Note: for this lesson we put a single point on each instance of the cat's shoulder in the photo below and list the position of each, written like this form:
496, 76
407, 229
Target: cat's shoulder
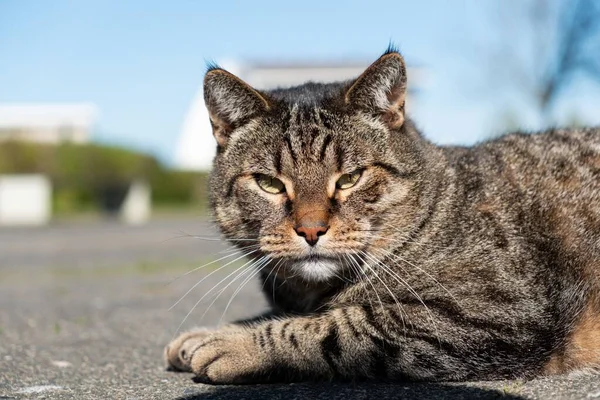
549, 137
524, 144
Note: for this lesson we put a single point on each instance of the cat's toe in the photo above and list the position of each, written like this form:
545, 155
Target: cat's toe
231, 358
178, 353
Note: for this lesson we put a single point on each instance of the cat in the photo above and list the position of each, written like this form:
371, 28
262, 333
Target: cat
385, 256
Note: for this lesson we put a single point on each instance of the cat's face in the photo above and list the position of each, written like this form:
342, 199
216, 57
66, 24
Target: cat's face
311, 176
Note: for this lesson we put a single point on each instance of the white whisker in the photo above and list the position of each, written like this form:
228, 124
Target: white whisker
398, 304
407, 285
248, 270
375, 290
397, 257
239, 288
214, 239
202, 280
208, 292
202, 266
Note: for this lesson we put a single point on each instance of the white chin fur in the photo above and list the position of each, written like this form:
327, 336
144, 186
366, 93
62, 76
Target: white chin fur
318, 270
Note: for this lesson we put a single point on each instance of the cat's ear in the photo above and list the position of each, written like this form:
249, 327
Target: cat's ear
231, 103
381, 90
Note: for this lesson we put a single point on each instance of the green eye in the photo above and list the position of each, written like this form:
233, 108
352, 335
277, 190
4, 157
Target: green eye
346, 181
270, 184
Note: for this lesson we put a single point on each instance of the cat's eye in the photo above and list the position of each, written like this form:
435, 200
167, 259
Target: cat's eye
346, 181
270, 184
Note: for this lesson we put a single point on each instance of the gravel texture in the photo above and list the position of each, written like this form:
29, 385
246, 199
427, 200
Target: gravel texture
84, 314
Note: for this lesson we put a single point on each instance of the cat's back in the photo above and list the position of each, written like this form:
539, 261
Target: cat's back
556, 167
544, 187
554, 178
553, 166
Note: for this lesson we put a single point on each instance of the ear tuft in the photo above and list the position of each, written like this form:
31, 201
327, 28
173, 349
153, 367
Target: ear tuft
392, 48
211, 65
230, 101
381, 89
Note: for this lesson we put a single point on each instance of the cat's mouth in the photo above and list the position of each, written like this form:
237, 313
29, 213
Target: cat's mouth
316, 267
314, 257
319, 257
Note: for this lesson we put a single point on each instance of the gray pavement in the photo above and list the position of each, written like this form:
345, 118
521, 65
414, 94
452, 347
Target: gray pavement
107, 243
84, 314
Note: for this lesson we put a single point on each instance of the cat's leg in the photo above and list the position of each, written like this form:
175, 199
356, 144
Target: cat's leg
347, 343
177, 352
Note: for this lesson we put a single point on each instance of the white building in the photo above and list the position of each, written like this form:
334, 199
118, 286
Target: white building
47, 123
196, 147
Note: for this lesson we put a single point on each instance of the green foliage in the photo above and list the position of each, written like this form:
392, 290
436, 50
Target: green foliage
178, 187
83, 175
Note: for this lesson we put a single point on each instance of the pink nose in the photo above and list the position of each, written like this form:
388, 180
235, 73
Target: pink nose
311, 233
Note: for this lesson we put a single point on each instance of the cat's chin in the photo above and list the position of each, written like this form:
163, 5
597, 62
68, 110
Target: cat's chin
316, 269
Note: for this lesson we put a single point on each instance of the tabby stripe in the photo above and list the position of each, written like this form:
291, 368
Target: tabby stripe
448, 347
317, 328
350, 324
261, 340
284, 328
335, 205
288, 206
277, 161
450, 310
293, 340
288, 142
372, 321
378, 366
325, 120
269, 334
330, 346
231, 184
285, 123
446, 309
391, 343
339, 155
373, 199
326, 143
423, 223
392, 170
317, 116
314, 133
373, 192
386, 348
397, 315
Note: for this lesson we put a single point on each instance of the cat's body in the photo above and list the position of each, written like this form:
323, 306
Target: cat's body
385, 256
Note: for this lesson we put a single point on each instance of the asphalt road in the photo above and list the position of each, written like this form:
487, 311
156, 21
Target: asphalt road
84, 314
107, 243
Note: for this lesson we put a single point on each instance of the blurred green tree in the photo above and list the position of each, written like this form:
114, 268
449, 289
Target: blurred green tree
85, 177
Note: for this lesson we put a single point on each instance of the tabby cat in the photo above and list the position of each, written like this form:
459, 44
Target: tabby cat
385, 256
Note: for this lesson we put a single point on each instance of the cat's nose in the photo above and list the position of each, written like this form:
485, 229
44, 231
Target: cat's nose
312, 233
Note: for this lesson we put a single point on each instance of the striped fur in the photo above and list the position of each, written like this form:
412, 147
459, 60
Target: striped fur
441, 263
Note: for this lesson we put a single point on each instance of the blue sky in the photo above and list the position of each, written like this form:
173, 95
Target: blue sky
141, 62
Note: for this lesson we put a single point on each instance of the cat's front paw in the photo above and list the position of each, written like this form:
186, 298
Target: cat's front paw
178, 353
226, 358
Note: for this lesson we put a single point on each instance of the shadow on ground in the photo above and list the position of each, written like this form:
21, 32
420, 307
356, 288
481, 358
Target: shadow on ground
350, 391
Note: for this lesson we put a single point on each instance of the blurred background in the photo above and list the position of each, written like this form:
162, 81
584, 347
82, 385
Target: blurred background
105, 143
105, 147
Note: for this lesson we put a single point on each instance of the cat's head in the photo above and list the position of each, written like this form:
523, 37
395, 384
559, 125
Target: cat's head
317, 177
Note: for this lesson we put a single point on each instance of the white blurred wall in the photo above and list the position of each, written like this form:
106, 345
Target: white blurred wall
25, 200
137, 206
47, 123
196, 146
